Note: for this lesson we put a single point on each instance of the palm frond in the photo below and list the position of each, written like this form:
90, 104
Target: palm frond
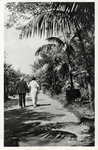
56, 40
58, 56
54, 23
45, 47
53, 134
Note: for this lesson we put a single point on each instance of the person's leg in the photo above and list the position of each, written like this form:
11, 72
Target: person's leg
33, 95
24, 99
20, 99
36, 98
28, 91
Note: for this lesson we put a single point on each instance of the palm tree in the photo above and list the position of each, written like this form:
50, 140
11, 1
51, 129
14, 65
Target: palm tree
61, 49
65, 18
59, 17
47, 67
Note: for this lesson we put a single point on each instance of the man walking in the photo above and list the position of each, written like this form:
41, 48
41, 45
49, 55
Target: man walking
22, 88
34, 91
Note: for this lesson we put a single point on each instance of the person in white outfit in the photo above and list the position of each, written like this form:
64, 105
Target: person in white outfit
34, 91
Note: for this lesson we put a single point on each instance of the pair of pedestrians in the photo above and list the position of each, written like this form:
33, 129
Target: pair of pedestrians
22, 88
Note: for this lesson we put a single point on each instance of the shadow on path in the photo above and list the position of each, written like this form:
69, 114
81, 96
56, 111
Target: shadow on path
29, 126
23, 121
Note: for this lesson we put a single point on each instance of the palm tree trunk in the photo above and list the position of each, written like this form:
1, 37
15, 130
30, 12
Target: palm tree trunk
71, 80
70, 73
86, 63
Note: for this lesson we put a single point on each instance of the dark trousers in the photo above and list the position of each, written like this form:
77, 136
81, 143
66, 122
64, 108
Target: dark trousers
22, 98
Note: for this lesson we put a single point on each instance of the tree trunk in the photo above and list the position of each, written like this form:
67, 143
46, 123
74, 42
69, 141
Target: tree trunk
71, 87
88, 75
90, 93
71, 79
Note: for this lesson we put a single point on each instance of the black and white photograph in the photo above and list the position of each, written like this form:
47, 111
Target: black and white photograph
49, 74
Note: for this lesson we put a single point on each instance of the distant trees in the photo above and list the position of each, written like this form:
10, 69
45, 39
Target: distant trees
11, 77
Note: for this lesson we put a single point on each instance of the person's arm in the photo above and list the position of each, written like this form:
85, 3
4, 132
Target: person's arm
26, 86
37, 86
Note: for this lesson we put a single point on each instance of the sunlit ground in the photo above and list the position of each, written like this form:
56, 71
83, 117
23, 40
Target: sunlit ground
49, 124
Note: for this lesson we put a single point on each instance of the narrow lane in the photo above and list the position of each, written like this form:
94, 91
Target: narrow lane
49, 124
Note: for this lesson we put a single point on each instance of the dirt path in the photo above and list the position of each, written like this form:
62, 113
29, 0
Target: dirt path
49, 124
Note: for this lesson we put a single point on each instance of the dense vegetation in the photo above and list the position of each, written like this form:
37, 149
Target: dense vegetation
11, 78
68, 60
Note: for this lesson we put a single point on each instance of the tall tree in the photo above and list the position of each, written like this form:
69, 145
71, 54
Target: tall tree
64, 52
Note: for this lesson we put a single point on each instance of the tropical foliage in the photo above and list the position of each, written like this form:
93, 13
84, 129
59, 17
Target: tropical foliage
10, 80
70, 28
11, 77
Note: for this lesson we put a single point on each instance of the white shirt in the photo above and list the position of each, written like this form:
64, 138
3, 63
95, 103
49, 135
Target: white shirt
34, 85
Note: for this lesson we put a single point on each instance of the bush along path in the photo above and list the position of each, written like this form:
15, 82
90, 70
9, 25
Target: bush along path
49, 124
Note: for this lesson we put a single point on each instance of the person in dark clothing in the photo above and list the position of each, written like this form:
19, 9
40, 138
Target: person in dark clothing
22, 89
